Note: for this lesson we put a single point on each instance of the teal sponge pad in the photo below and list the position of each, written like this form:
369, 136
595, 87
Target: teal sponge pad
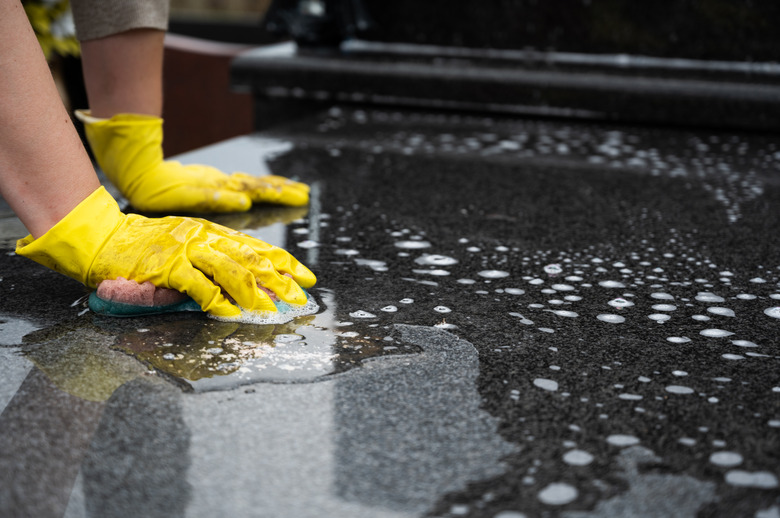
121, 309
110, 308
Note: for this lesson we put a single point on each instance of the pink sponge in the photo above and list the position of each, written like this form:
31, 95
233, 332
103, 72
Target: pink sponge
130, 292
147, 294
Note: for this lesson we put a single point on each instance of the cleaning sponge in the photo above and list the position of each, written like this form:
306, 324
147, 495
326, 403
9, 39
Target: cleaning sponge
124, 298
127, 298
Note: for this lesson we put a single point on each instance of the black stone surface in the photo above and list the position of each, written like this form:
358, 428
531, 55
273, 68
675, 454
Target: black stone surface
676, 217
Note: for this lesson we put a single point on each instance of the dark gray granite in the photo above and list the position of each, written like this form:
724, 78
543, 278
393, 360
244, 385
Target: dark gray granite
524, 400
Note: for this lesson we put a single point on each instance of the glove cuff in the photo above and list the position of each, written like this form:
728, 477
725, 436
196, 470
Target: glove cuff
125, 146
70, 246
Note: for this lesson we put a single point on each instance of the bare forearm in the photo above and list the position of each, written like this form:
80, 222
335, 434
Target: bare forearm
123, 73
44, 169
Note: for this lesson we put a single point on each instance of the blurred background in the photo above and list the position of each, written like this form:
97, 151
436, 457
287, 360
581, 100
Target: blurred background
710, 63
227, 10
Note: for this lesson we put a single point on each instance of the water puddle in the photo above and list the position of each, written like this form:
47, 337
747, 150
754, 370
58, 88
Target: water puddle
13, 329
203, 354
210, 355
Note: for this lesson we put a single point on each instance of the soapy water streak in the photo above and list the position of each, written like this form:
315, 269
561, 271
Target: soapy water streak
720, 163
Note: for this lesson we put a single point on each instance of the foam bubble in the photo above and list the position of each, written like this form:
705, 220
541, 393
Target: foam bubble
715, 333
706, 296
726, 459
285, 313
362, 314
412, 245
389, 309
726, 312
558, 493
436, 260
564, 313
493, 274
442, 309
577, 458
773, 312
436, 271
620, 303
756, 479
523, 320
546, 384
622, 440
679, 389
510, 514
553, 269
374, 264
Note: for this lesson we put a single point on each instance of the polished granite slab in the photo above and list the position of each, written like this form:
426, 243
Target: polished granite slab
518, 317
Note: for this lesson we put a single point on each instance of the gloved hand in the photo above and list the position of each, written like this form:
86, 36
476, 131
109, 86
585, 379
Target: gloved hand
96, 241
128, 148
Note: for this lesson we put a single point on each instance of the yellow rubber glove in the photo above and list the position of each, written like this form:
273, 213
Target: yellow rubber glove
128, 148
96, 241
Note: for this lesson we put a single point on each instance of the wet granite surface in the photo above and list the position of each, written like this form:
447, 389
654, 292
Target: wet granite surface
519, 318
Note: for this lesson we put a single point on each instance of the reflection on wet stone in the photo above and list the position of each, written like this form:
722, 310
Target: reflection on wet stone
431, 436
139, 456
209, 355
75, 358
651, 495
44, 434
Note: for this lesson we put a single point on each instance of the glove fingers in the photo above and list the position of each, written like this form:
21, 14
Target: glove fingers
233, 272
285, 288
267, 268
271, 189
283, 262
209, 297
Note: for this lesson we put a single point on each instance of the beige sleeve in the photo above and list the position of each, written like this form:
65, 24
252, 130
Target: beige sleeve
100, 18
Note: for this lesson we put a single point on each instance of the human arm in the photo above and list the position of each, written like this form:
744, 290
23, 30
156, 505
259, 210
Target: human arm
76, 227
123, 78
44, 170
